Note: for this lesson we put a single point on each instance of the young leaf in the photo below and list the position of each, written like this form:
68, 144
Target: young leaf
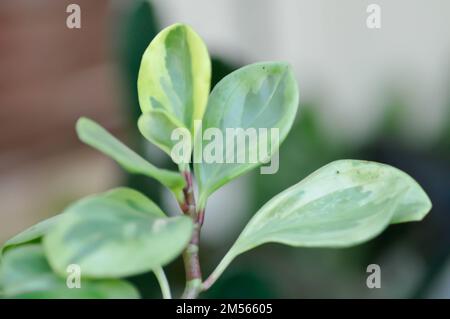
342, 204
110, 236
25, 273
157, 126
175, 75
258, 96
96, 136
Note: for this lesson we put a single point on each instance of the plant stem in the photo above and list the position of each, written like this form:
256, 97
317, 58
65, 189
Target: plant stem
188, 205
163, 283
191, 252
192, 266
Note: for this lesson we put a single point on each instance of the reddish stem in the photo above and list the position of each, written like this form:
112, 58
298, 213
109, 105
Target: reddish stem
191, 252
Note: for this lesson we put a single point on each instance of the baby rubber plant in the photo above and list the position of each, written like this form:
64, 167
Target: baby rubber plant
109, 236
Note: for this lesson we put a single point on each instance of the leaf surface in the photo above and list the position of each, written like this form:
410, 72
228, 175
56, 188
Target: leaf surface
344, 203
257, 98
111, 235
25, 273
96, 136
175, 75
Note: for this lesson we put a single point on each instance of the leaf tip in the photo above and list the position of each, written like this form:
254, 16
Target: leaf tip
81, 125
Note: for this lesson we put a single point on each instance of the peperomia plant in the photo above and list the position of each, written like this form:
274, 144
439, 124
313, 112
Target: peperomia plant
121, 232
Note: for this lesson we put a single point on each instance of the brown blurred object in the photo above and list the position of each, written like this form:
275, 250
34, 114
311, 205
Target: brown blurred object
50, 76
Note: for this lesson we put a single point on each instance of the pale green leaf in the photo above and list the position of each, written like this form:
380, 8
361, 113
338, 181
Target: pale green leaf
344, 203
96, 136
133, 197
258, 96
175, 75
33, 233
157, 126
414, 205
25, 273
109, 238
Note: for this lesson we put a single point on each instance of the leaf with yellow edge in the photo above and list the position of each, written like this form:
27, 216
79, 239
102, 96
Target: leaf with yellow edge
344, 203
175, 75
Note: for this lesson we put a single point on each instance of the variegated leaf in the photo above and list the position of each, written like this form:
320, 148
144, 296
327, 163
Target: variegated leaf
344, 203
175, 75
96, 136
115, 234
258, 96
25, 273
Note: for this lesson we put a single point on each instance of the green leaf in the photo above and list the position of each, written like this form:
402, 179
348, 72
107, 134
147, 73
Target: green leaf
134, 199
25, 273
344, 203
414, 205
158, 126
35, 232
175, 75
96, 136
110, 236
258, 96
120, 194
31, 234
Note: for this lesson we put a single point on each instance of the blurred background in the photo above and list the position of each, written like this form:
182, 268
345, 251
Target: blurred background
375, 94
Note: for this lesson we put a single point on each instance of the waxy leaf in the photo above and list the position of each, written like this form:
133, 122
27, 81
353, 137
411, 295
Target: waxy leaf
175, 75
35, 232
157, 126
96, 136
134, 199
261, 96
25, 273
414, 205
110, 235
31, 234
342, 204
